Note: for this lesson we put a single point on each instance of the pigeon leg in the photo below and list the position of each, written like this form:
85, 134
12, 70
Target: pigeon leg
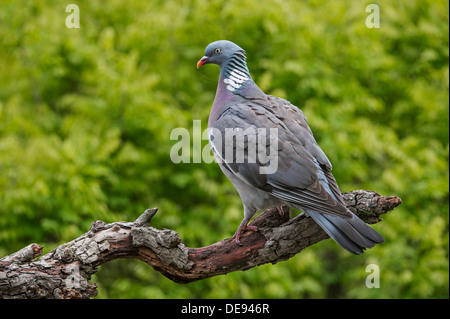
280, 210
243, 227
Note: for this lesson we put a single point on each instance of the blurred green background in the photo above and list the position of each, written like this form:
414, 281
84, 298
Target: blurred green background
86, 115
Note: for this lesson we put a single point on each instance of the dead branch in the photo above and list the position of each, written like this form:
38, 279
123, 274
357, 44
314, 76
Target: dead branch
65, 272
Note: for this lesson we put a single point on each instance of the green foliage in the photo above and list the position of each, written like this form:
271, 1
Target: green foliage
86, 115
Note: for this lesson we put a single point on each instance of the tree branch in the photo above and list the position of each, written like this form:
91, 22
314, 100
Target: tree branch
65, 272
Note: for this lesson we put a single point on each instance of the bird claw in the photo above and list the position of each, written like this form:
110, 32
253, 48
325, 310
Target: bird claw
280, 210
240, 230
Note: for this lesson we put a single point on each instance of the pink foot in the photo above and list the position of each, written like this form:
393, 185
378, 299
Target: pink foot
242, 227
280, 210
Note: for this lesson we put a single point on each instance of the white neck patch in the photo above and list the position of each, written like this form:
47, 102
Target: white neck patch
235, 80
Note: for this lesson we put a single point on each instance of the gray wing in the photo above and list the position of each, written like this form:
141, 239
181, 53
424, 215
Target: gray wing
302, 177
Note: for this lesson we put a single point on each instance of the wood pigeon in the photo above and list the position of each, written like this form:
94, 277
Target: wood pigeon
263, 144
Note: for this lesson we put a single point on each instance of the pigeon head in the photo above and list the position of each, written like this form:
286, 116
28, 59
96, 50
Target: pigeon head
220, 52
230, 57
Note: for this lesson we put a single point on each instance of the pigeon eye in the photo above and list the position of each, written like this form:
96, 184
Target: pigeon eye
217, 50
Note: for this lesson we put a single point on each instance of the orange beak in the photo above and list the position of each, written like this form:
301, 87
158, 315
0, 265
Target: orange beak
202, 61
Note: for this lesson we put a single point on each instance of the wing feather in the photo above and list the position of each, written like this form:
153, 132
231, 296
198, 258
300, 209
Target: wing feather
299, 158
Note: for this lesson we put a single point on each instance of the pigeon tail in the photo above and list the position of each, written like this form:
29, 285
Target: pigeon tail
351, 234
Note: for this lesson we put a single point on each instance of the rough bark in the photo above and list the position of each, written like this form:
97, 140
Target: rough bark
65, 272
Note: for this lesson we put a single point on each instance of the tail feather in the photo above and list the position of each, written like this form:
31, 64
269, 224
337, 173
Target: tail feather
351, 234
